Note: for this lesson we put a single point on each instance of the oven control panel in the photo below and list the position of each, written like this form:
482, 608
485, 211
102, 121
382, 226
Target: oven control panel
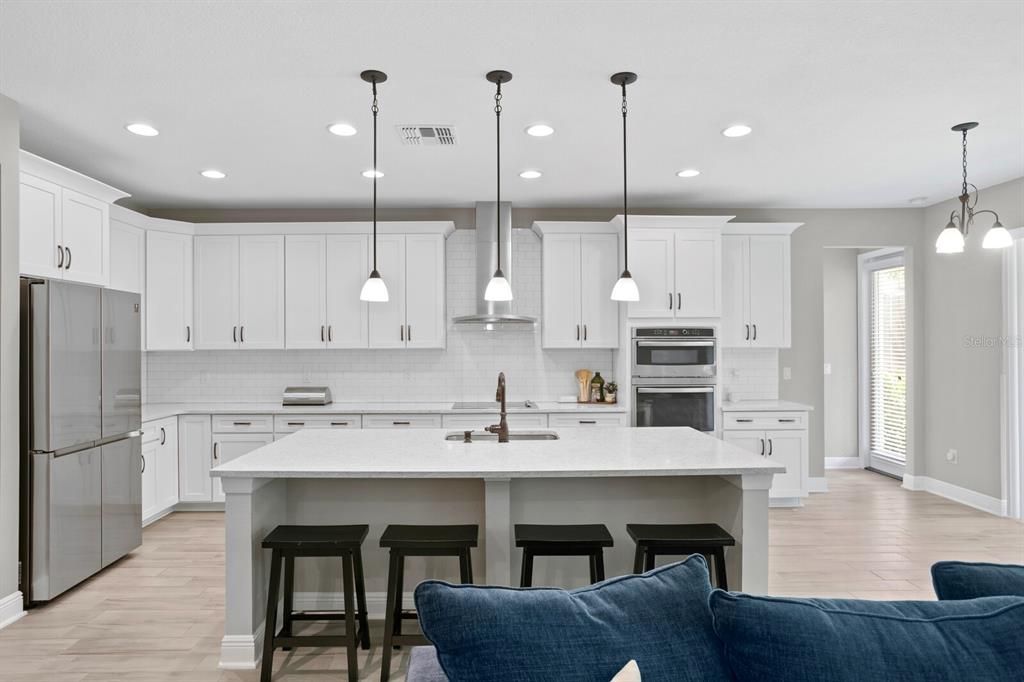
668, 332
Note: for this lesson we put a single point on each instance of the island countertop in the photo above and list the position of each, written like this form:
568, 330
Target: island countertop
424, 453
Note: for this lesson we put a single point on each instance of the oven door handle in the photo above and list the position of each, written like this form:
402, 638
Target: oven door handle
648, 344
687, 389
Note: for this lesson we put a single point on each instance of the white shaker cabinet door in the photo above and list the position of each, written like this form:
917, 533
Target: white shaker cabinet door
425, 321
85, 234
562, 326
735, 328
229, 446
599, 270
348, 265
127, 257
167, 465
751, 441
41, 252
769, 291
261, 291
305, 290
169, 291
150, 502
787, 448
651, 263
387, 320
698, 273
194, 456
216, 294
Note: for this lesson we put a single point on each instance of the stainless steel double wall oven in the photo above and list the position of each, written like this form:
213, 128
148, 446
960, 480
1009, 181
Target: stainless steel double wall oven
674, 377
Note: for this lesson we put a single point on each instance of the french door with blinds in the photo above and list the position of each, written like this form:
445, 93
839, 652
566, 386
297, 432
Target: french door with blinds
884, 354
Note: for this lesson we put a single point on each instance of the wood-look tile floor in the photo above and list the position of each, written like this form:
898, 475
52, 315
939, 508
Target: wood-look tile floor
158, 613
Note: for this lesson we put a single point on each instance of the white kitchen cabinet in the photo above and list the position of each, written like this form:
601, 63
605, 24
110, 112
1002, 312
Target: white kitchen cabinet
323, 277
480, 420
229, 446
412, 266
195, 450
781, 437
239, 292
169, 291
127, 257
578, 273
401, 421
290, 423
63, 233
587, 419
756, 281
678, 272
159, 468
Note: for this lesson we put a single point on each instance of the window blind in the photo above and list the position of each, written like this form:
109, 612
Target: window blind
888, 363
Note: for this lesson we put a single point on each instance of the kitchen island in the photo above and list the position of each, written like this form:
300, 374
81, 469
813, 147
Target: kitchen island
609, 475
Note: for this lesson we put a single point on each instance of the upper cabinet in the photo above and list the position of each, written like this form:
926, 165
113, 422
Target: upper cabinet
239, 292
168, 304
580, 265
64, 223
756, 280
412, 266
677, 264
323, 277
127, 257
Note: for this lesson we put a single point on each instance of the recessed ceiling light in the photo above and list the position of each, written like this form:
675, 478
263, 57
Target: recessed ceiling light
917, 201
530, 174
370, 173
213, 174
539, 130
143, 129
342, 129
738, 130
688, 173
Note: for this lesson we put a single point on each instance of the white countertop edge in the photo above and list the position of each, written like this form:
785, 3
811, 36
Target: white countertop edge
766, 406
583, 473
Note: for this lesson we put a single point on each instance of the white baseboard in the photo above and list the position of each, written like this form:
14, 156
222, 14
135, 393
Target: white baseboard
12, 608
817, 484
785, 502
843, 463
241, 652
199, 507
985, 503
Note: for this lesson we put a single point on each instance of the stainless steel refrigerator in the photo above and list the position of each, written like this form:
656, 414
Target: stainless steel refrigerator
81, 415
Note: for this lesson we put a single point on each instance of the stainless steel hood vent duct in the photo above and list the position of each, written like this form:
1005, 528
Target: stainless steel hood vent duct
493, 315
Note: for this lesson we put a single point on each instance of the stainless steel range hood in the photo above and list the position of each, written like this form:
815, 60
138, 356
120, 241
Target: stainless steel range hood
494, 314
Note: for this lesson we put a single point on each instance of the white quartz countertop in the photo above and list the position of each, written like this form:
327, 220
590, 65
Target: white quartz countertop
151, 411
424, 453
765, 406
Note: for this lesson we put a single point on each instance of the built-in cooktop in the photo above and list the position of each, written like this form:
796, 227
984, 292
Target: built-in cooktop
490, 405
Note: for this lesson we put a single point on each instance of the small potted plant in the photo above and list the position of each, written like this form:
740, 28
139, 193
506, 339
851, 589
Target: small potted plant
610, 389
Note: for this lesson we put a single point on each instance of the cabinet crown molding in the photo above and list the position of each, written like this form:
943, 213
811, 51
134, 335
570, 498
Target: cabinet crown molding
545, 227
760, 228
65, 177
711, 222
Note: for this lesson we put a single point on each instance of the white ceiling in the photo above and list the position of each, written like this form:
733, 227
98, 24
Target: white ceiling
851, 102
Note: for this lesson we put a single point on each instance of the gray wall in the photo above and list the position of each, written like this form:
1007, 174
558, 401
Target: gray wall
9, 142
962, 379
839, 289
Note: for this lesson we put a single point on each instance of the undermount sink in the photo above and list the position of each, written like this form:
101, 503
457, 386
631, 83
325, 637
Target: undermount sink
460, 436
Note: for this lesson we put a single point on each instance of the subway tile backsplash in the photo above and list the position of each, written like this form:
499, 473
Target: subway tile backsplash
466, 370
749, 373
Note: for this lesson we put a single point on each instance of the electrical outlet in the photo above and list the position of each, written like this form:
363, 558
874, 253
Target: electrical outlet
828, 368
952, 456
787, 373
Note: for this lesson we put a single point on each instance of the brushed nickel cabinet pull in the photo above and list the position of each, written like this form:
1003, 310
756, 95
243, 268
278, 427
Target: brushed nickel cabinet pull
143, 464
234, 334
339, 423
745, 421
748, 332
322, 337
755, 332
215, 451
787, 421
188, 334
577, 332
241, 333
296, 423
670, 300
330, 333
679, 301
584, 332
400, 423
408, 332
163, 436
67, 265
242, 423
60, 256
401, 332
588, 421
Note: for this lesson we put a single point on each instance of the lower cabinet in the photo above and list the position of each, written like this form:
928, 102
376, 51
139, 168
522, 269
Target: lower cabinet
195, 448
228, 446
780, 437
401, 421
159, 468
589, 419
477, 421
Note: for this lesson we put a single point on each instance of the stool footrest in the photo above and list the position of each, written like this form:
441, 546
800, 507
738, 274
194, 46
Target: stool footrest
312, 641
318, 615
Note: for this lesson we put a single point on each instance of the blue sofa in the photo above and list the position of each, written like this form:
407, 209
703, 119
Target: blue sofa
677, 627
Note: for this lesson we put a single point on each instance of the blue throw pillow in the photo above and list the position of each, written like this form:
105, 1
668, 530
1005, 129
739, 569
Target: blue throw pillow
962, 580
660, 619
847, 640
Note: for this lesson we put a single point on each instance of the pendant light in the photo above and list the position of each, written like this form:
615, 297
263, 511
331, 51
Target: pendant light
952, 237
374, 290
625, 288
498, 289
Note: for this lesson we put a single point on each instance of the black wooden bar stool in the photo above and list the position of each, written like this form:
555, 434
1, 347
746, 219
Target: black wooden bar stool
654, 539
406, 541
587, 540
289, 542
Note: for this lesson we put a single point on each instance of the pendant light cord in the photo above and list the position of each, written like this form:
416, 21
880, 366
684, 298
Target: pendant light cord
625, 195
375, 109
497, 128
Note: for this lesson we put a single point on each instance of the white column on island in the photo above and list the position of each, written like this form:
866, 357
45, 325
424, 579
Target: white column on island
498, 530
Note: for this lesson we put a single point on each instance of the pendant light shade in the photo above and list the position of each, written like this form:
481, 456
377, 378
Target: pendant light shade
950, 240
625, 288
498, 289
997, 237
374, 289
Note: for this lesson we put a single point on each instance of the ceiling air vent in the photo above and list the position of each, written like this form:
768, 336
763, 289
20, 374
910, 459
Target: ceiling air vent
443, 136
